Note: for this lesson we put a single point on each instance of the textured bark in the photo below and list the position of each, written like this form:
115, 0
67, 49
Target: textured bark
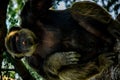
22, 70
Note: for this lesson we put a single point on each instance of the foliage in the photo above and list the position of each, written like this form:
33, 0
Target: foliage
8, 70
112, 6
13, 12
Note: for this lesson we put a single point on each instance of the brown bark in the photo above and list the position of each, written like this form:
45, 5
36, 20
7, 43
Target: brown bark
22, 70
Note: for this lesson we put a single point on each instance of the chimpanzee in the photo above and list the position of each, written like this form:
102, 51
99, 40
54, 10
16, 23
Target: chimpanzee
63, 44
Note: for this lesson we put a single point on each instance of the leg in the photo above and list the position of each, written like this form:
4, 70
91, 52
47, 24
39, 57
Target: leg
57, 60
87, 70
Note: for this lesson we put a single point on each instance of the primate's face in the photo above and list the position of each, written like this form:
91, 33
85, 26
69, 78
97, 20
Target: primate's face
20, 43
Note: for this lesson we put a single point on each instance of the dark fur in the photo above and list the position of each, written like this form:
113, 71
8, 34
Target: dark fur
60, 38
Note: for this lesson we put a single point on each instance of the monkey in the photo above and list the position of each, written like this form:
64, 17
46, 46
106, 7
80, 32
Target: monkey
54, 62
62, 45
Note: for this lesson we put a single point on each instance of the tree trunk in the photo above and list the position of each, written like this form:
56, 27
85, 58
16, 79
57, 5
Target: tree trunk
3, 28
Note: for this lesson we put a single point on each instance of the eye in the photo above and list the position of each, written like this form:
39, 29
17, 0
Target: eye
27, 42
